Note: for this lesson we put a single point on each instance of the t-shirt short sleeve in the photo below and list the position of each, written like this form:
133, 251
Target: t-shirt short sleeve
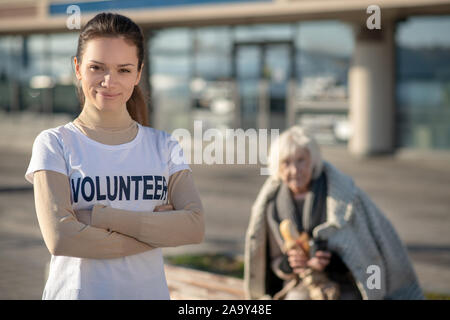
47, 154
177, 160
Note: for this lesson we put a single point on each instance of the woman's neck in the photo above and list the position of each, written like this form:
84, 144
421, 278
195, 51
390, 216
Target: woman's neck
91, 117
300, 196
300, 193
107, 128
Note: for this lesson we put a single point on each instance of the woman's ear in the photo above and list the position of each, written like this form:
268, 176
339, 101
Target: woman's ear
77, 68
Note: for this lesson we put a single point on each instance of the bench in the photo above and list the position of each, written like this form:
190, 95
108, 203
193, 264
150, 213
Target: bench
190, 284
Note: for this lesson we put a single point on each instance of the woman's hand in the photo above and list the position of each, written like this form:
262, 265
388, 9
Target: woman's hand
83, 216
299, 261
320, 261
163, 207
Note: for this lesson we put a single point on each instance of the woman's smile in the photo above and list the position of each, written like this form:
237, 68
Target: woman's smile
108, 95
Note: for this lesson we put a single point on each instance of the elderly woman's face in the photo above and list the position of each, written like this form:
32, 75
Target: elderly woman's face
296, 171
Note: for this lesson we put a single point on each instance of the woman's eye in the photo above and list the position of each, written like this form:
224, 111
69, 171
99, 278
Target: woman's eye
94, 68
124, 70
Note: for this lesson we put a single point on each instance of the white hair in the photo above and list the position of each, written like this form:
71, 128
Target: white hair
288, 144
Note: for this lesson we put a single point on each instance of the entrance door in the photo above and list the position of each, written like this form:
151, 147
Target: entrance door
248, 60
262, 71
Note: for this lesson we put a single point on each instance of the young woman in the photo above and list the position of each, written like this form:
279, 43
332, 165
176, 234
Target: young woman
109, 190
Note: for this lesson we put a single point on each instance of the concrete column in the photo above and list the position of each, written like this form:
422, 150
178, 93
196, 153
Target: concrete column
372, 91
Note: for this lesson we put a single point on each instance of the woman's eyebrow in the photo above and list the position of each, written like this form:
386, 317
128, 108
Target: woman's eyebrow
119, 65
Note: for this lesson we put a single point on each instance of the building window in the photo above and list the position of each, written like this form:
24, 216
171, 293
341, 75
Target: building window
36, 73
171, 69
423, 83
323, 52
220, 74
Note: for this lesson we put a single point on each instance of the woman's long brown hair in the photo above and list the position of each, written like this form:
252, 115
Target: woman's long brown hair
115, 25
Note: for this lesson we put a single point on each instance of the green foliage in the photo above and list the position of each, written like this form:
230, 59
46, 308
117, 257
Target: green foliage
215, 263
436, 296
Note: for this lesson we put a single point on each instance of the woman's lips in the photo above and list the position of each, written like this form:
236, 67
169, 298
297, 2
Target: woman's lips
108, 95
297, 181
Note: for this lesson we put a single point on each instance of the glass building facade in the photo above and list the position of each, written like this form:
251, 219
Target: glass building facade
223, 75
36, 73
423, 83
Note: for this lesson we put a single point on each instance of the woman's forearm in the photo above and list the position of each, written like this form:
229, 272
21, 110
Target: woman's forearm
64, 235
184, 225
158, 229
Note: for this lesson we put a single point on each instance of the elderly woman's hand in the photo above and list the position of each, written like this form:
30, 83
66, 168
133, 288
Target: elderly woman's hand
320, 260
299, 261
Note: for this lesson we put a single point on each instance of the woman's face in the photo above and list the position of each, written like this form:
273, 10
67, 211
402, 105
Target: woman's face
296, 171
108, 72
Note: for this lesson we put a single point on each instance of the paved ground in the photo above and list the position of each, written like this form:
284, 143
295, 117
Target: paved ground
413, 189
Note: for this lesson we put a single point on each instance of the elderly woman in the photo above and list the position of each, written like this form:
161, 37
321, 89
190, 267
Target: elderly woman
357, 247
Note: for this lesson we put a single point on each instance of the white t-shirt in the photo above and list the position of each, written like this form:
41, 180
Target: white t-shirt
131, 176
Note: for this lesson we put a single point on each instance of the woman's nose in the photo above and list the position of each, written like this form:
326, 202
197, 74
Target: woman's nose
293, 169
107, 81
